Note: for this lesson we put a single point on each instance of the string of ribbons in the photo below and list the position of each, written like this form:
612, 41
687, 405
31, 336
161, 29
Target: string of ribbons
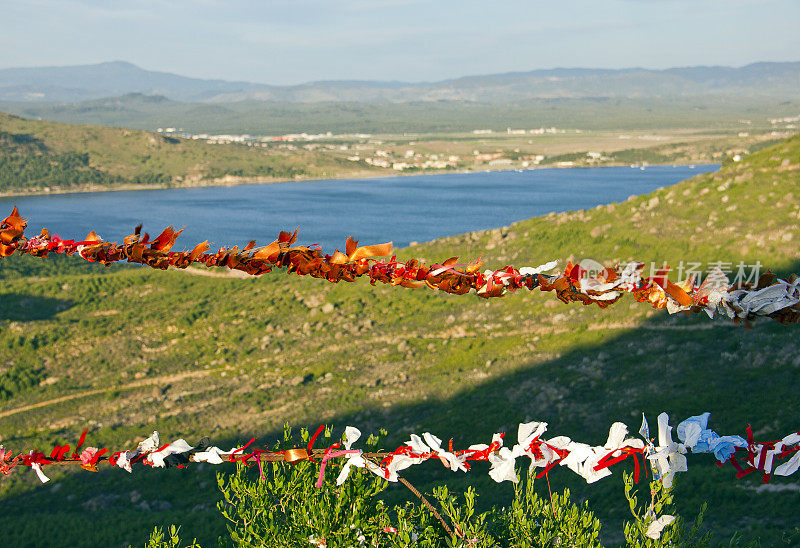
768, 296
662, 454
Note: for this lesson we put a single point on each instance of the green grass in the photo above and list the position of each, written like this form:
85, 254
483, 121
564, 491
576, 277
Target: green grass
410, 361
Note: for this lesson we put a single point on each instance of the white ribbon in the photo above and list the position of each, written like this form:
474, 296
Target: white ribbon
669, 457
177, 447
657, 525
145, 446
38, 469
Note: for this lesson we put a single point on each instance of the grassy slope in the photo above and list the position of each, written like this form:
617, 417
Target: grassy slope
137, 155
406, 360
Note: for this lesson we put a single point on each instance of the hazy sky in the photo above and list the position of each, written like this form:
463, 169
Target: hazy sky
301, 40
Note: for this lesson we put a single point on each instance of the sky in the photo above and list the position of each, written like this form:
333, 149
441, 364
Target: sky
296, 41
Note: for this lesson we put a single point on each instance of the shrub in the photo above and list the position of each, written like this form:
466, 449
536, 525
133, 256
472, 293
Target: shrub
284, 508
18, 379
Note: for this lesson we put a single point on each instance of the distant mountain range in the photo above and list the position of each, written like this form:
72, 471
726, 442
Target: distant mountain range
86, 82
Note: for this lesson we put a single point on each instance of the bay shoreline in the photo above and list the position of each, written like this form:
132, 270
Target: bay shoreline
230, 180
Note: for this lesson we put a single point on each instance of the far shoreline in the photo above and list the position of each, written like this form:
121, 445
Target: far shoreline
231, 181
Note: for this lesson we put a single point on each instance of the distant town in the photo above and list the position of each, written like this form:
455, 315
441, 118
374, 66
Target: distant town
364, 147
486, 149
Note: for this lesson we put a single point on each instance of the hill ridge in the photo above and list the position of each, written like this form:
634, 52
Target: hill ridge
38, 156
84, 82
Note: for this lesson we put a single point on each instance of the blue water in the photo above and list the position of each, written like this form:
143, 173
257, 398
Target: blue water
398, 209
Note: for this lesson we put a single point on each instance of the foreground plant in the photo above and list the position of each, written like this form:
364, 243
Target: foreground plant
284, 507
655, 524
294, 505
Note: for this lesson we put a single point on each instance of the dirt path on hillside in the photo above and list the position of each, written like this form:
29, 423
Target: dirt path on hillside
85, 394
213, 273
379, 339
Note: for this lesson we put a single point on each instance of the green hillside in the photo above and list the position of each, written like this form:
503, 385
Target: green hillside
82, 82
128, 351
278, 117
36, 155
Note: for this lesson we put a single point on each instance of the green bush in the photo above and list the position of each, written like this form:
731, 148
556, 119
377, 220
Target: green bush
18, 379
533, 521
159, 540
661, 506
284, 508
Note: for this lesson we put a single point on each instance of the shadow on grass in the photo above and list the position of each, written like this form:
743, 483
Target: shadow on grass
679, 365
19, 307
56, 266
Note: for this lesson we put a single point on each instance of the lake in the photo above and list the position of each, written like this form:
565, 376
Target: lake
398, 209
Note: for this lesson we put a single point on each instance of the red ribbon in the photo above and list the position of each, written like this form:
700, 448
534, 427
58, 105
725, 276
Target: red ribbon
245, 457
562, 454
59, 452
610, 460
312, 440
76, 454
